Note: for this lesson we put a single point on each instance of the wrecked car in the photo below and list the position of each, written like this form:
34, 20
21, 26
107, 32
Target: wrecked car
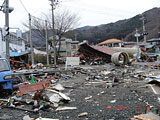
6, 77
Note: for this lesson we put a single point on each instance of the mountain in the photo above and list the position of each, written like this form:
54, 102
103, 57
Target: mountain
122, 29
38, 37
84, 28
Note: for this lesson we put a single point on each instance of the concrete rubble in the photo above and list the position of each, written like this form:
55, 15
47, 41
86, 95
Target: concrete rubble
100, 92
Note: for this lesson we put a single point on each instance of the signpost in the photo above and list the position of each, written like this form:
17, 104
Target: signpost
72, 61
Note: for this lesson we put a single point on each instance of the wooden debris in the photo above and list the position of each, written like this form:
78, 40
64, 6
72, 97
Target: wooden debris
142, 117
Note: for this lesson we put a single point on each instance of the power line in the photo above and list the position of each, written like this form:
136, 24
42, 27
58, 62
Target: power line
3, 3
1, 7
28, 12
24, 6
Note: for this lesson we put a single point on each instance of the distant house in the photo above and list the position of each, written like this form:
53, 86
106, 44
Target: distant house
129, 44
74, 47
154, 44
67, 47
111, 43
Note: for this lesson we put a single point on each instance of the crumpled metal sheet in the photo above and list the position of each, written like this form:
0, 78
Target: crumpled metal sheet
33, 87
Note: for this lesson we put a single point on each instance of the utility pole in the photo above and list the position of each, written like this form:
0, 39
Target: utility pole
53, 5
137, 35
7, 28
30, 36
144, 31
75, 36
47, 43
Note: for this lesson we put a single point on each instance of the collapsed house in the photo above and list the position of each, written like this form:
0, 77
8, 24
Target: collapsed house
95, 53
102, 54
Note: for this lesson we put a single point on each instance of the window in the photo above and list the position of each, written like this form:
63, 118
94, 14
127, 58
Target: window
15, 40
4, 66
116, 44
109, 45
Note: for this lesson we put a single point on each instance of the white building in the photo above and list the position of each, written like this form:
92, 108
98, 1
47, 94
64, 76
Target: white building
15, 44
36, 51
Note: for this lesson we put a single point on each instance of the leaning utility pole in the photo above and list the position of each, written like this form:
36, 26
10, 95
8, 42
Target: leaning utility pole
47, 43
144, 31
7, 28
53, 5
137, 35
75, 36
30, 36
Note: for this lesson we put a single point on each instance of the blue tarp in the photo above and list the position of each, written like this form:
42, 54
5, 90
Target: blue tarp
151, 54
16, 54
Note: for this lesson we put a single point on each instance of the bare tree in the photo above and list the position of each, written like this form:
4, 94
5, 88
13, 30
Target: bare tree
64, 20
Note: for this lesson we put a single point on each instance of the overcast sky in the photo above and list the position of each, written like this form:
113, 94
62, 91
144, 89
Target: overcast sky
92, 12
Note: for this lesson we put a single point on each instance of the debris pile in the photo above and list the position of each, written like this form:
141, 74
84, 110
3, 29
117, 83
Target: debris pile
39, 94
88, 92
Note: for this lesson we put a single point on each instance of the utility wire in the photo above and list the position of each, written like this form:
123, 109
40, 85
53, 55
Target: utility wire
24, 6
28, 12
2, 5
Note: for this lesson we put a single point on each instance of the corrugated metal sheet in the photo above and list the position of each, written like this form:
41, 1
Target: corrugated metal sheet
96, 51
104, 49
33, 87
16, 54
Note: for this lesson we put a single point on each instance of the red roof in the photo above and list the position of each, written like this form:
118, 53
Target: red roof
110, 41
104, 49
